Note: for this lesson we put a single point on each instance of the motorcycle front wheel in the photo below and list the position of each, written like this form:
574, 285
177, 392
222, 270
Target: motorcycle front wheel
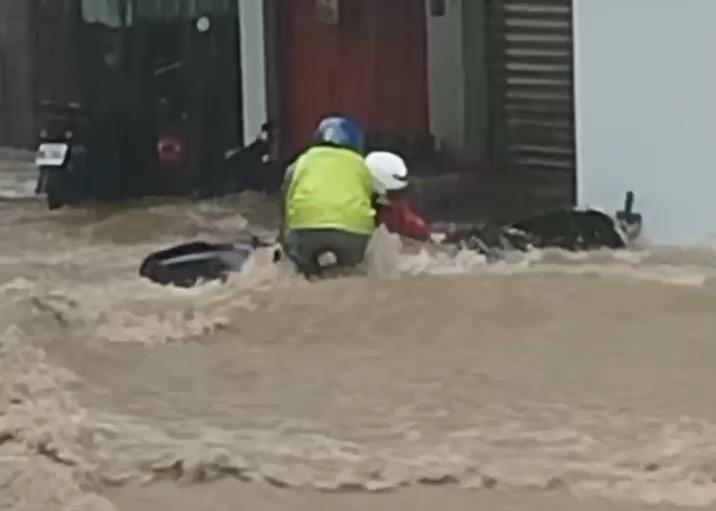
55, 191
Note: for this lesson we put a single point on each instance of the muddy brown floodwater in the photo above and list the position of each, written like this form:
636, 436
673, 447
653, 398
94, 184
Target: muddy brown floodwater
434, 381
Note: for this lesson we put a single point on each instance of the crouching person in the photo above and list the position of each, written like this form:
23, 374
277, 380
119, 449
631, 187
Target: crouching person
326, 202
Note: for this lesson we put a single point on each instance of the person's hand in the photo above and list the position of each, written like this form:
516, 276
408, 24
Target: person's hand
437, 237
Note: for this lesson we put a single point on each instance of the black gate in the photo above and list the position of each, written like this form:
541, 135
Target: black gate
530, 62
173, 65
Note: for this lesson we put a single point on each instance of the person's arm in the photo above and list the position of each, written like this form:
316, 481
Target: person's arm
400, 218
285, 185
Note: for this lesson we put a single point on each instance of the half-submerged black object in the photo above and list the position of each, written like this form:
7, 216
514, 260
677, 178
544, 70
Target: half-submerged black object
568, 229
187, 264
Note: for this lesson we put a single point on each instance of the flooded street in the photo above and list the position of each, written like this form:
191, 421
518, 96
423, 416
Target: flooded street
435, 381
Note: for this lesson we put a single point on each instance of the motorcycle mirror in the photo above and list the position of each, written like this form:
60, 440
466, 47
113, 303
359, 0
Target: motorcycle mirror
630, 221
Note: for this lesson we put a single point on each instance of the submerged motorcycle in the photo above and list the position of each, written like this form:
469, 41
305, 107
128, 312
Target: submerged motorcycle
573, 230
187, 264
569, 229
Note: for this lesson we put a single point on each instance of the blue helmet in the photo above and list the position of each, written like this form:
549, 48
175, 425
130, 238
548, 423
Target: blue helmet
340, 131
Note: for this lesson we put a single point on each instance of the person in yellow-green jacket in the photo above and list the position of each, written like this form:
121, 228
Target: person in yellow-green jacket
326, 199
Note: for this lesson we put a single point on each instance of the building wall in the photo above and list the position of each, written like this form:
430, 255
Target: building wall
646, 112
475, 76
456, 73
17, 123
54, 58
456, 77
253, 58
446, 74
455, 70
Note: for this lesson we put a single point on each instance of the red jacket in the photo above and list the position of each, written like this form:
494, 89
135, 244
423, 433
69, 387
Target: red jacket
400, 218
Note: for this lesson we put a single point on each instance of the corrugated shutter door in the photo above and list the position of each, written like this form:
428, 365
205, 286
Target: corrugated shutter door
531, 92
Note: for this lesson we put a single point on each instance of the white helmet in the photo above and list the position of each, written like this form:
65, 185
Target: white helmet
388, 170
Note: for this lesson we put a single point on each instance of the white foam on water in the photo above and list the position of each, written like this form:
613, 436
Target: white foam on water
17, 174
115, 304
17, 185
386, 257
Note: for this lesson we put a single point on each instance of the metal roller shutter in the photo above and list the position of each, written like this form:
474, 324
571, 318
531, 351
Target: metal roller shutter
531, 84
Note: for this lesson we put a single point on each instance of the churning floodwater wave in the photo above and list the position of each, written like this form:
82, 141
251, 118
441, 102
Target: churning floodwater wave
547, 372
17, 175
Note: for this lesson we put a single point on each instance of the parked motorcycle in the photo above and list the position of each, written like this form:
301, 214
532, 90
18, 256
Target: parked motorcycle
62, 154
172, 145
251, 167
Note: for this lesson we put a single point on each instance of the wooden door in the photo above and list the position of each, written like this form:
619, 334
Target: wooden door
372, 65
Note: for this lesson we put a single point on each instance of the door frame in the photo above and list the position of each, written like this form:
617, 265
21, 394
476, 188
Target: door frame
255, 57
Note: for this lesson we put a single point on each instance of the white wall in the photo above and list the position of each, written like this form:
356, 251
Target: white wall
253, 63
646, 111
446, 76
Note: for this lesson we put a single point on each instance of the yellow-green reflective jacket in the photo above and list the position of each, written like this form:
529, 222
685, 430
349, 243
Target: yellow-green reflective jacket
331, 188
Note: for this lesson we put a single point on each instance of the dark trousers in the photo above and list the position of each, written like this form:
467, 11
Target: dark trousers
305, 246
